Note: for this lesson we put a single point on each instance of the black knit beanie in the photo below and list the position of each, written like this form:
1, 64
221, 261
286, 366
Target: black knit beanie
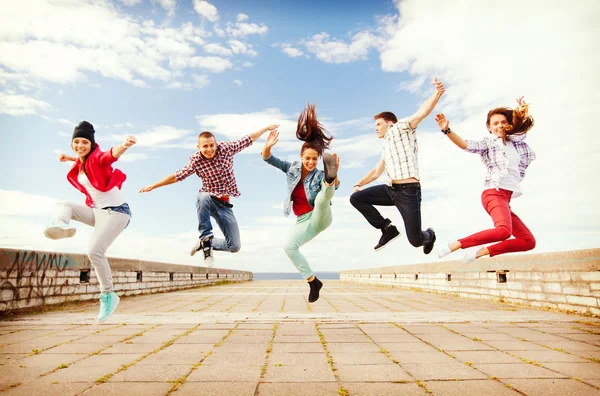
84, 130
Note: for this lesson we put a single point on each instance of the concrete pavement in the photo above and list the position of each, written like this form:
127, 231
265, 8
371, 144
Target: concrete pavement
263, 338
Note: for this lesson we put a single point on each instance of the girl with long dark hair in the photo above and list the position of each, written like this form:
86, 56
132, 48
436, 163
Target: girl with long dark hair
310, 190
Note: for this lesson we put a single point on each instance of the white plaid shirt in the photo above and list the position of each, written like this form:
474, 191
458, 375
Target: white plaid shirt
493, 155
401, 152
216, 173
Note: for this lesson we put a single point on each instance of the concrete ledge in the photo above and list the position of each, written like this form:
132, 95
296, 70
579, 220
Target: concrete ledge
568, 281
36, 278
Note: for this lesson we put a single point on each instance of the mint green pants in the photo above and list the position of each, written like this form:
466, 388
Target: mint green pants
308, 226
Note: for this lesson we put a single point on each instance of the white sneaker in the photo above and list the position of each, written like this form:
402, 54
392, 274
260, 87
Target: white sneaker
444, 251
209, 258
471, 255
197, 247
59, 231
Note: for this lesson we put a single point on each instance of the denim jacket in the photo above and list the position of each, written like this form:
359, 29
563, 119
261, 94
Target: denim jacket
293, 170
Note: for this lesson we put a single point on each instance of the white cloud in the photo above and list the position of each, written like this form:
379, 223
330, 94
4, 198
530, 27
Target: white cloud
139, 83
217, 49
238, 83
201, 81
338, 51
168, 5
158, 136
239, 47
290, 51
179, 85
247, 64
206, 10
241, 28
19, 105
130, 3
212, 64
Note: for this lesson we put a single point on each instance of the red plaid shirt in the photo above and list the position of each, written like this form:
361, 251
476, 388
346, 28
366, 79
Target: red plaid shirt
216, 173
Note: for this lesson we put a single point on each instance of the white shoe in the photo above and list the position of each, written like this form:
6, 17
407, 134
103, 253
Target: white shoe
209, 258
471, 255
444, 251
196, 247
59, 231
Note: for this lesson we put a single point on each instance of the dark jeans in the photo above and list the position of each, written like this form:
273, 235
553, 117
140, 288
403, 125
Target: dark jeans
406, 197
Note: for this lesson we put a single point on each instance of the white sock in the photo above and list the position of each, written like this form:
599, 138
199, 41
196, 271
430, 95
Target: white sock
471, 255
444, 251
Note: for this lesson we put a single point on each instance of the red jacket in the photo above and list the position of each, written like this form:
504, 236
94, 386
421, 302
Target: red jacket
99, 170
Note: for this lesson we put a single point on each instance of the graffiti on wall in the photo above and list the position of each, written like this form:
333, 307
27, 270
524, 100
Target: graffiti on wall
30, 275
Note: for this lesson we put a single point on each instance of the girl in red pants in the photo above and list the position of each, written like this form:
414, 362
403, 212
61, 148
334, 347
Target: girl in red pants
506, 156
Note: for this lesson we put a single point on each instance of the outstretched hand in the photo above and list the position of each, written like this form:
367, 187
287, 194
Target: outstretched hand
337, 161
129, 141
147, 189
272, 139
62, 157
441, 120
439, 86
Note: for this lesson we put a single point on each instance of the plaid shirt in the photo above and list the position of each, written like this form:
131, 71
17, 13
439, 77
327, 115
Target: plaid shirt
491, 150
401, 152
216, 173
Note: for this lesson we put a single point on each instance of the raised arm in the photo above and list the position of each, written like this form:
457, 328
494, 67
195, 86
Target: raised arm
444, 125
257, 134
62, 157
118, 151
164, 182
272, 140
428, 106
372, 175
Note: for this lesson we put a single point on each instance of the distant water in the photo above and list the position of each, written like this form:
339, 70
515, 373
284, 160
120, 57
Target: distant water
293, 275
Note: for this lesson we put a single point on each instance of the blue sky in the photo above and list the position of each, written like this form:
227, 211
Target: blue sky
164, 70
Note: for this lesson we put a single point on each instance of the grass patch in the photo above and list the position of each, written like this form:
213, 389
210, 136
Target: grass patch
342, 392
62, 366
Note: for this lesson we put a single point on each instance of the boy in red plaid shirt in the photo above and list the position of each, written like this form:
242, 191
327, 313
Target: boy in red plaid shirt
213, 163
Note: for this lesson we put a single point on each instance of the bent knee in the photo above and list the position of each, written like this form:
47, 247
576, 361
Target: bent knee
531, 242
235, 248
354, 199
503, 232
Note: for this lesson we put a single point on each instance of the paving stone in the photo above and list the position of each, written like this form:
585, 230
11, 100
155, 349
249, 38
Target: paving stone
299, 373
577, 370
236, 358
301, 359
442, 371
516, 346
223, 373
471, 387
146, 373
376, 372
517, 371
407, 347
131, 348
352, 347
421, 357
52, 389
549, 356
352, 358
486, 356
130, 389
293, 389
552, 387
298, 347
217, 388
383, 389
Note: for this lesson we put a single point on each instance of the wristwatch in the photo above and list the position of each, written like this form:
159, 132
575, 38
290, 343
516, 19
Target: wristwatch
446, 131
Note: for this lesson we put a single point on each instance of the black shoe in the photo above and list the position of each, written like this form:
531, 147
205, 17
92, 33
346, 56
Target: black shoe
428, 246
329, 167
315, 286
389, 234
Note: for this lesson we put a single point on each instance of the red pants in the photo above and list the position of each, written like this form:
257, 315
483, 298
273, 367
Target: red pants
506, 223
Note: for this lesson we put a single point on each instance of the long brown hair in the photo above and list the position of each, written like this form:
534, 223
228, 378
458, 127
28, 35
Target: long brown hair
519, 120
310, 130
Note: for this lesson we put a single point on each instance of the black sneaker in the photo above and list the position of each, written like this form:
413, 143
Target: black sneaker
315, 286
207, 249
389, 234
329, 167
428, 246
197, 247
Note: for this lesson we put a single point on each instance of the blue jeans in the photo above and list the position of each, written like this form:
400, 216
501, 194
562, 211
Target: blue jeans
206, 206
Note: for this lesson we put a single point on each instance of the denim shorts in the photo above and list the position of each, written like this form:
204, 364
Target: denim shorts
121, 209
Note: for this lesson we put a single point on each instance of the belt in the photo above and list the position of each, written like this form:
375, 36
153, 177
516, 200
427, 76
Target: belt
399, 186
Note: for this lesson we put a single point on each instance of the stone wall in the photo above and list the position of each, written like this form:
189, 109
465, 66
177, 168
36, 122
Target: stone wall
35, 278
568, 281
